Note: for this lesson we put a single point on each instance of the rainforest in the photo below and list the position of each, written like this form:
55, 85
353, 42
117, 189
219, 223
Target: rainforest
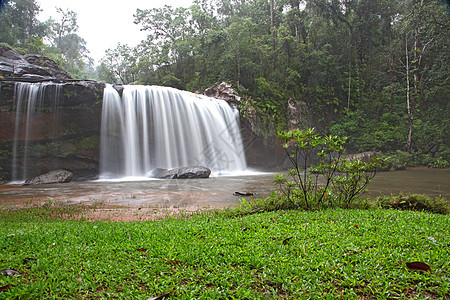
375, 71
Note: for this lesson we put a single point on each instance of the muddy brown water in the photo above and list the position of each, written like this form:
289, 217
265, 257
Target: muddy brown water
215, 192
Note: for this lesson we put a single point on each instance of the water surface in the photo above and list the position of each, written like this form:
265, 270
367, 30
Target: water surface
211, 192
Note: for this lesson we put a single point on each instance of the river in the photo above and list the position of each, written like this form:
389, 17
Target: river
215, 192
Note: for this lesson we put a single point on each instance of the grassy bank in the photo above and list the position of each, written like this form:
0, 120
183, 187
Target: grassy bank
330, 254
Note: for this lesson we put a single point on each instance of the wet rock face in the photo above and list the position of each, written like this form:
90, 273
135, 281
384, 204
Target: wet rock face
65, 131
8, 59
57, 176
186, 173
298, 115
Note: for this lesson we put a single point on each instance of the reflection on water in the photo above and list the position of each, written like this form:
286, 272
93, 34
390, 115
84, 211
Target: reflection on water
430, 182
211, 192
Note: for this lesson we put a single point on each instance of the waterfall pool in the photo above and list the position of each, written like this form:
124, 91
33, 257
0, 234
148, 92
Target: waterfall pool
214, 192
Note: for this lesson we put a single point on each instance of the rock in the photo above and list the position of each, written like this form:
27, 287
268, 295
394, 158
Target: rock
156, 173
6, 69
225, 92
24, 69
363, 156
186, 173
397, 167
10, 56
58, 176
50, 65
33, 66
298, 114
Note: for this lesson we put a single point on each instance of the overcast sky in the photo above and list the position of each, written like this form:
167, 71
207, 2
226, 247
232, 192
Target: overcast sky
103, 24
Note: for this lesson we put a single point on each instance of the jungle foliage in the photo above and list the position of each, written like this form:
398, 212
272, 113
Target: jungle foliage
375, 71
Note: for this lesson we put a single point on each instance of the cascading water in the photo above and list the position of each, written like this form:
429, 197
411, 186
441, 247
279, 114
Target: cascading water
30, 99
153, 127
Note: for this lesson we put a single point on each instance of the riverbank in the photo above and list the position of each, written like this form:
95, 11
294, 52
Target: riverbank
193, 194
333, 254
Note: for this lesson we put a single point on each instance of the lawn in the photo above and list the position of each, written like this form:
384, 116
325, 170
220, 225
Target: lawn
328, 254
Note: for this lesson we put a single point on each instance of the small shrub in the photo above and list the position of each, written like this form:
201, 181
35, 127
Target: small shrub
439, 163
344, 180
351, 181
276, 201
416, 202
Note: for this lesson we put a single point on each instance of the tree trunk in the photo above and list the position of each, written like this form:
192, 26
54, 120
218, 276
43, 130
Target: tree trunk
272, 18
349, 84
408, 98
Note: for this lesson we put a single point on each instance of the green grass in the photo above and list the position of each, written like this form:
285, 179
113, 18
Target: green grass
330, 254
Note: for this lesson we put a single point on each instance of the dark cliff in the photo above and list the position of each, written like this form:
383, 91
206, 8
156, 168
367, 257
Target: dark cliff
67, 139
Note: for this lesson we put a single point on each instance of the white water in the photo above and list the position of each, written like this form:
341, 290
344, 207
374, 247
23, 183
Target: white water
158, 127
29, 99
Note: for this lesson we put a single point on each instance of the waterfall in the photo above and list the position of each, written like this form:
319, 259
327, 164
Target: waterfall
153, 127
29, 100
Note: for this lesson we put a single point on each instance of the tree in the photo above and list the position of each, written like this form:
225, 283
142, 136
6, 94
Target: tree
167, 28
66, 42
119, 65
66, 25
19, 26
422, 29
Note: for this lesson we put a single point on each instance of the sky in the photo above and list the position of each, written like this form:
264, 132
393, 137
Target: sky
102, 24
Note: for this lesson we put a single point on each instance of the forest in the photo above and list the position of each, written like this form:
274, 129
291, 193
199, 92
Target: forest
376, 71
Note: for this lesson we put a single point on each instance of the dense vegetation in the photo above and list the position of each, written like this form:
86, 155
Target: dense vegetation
57, 38
376, 71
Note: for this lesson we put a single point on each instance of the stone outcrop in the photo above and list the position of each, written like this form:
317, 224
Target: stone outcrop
33, 67
57, 176
363, 156
50, 65
225, 92
298, 114
186, 173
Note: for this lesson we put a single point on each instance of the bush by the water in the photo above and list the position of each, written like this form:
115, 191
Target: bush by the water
415, 202
400, 159
330, 181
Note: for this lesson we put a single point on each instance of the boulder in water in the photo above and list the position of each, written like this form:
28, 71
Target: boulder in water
155, 173
186, 173
57, 176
